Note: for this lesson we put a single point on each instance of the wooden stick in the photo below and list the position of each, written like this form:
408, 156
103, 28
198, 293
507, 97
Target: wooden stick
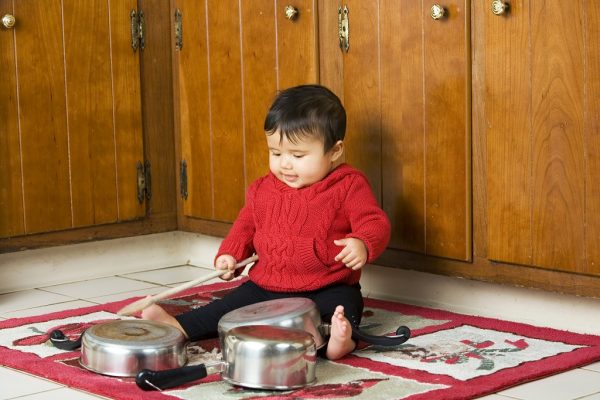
140, 304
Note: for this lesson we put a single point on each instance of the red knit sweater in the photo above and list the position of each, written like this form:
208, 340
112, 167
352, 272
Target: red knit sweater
292, 230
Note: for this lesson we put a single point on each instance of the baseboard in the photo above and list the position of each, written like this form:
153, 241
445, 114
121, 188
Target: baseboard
530, 306
49, 266
71, 263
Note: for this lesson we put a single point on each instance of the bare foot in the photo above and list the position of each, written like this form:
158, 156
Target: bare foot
340, 342
155, 312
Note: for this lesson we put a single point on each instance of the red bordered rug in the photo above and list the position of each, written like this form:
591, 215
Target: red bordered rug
450, 356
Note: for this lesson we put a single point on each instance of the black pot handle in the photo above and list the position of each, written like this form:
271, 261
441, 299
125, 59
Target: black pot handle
60, 341
401, 336
147, 379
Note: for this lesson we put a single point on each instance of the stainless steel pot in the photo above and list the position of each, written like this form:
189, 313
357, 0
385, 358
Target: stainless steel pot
254, 356
299, 313
296, 312
123, 348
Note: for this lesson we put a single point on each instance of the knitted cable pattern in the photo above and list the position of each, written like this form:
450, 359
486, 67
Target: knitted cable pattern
292, 230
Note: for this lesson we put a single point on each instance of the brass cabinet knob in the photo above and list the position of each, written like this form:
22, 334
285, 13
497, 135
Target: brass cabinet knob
8, 21
437, 12
499, 7
291, 12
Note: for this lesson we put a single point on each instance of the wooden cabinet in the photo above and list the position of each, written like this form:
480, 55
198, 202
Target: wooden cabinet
233, 59
71, 131
479, 132
405, 83
541, 106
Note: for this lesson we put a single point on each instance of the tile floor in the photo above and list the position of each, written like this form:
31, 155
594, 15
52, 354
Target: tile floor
580, 384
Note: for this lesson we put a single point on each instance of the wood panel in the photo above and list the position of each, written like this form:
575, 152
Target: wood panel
194, 109
251, 51
288, 48
226, 108
157, 103
11, 193
401, 68
541, 145
78, 124
592, 135
158, 118
297, 51
42, 113
362, 91
402, 122
508, 134
447, 133
558, 164
259, 54
127, 109
331, 62
89, 112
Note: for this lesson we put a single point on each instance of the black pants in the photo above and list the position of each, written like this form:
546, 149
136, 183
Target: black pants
202, 322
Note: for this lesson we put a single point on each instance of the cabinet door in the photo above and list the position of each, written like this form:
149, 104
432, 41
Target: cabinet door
405, 83
234, 58
73, 135
542, 107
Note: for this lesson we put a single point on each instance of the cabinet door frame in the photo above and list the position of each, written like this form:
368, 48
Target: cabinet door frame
159, 213
417, 129
229, 70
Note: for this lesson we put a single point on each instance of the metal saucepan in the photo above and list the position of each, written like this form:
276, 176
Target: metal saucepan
254, 356
299, 313
124, 347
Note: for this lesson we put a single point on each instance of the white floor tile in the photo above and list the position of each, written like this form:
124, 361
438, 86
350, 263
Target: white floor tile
62, 394
98, 287
592, 397
126, 295
208, 282
167, 276
566, 386
69, 305
29, 298
214, 280
593, 367
15, 384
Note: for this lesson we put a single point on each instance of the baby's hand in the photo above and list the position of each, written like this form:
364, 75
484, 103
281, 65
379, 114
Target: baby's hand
354, 253
226, 261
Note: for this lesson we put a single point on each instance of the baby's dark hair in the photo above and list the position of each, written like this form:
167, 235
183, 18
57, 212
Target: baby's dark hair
307, 110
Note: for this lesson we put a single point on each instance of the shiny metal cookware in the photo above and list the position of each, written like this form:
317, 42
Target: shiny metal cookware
299, 313
296, 312
254, 356
123, 348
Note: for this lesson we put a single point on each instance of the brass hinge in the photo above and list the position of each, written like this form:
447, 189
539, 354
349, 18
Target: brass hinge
137, 30
344, 28
183, 183
144, 181
178, 30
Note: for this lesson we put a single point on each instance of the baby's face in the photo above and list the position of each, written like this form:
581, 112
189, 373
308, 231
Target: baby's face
299, 164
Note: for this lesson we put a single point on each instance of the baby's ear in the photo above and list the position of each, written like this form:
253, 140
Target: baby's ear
337, 150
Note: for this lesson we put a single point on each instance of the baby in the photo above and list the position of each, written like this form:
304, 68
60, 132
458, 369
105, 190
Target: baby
312, 220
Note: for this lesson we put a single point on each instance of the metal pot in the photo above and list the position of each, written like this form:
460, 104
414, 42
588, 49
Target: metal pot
296, 312
299, 313
123, 348
254, 356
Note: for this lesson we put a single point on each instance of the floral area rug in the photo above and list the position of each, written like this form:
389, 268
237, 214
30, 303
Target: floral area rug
449, 356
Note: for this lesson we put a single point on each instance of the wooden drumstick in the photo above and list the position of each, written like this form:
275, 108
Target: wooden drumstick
140, 304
